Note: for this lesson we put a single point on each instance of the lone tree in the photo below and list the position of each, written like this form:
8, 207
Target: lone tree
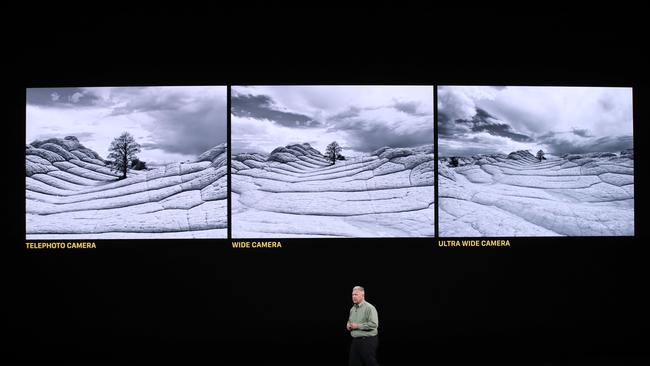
333, 151
122, 153
453, 162
540, 155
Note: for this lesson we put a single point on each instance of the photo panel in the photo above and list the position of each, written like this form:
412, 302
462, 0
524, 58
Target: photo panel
535, 161
126, 162
332, 161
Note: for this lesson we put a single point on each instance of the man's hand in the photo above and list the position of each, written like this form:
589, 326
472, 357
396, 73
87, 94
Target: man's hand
348, 326
354, 325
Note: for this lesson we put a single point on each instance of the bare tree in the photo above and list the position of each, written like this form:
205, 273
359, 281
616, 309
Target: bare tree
453, 162
540, 155
122, 153
333, 151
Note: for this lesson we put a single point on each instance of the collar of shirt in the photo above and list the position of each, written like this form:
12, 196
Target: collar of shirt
360, 304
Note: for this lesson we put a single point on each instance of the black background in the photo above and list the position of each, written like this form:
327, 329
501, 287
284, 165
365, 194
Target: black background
555, 300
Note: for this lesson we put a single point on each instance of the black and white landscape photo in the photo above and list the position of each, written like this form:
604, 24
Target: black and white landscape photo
126, 163
535, 161
332, 161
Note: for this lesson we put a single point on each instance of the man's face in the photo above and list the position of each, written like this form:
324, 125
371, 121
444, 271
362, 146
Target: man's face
357, 296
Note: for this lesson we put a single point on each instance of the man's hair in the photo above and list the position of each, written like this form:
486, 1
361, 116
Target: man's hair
358, 288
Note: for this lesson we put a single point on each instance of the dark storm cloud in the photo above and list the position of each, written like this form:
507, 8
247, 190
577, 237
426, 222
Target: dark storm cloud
558, 119
261, 107
612, 143
503, 130
360, 118
60, 97
482, 121
449, 128
547, 136
409, 108
559, 145
348, 113
367, 137
554, 135
192, 131
582, 132
519, 119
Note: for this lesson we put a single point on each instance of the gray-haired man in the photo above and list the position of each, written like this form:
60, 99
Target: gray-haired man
362, 324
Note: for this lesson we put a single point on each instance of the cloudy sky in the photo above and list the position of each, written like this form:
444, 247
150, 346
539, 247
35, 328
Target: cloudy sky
171, 123
558, 120
360, 118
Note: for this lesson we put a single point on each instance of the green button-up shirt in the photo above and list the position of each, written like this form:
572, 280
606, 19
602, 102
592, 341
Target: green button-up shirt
366, 316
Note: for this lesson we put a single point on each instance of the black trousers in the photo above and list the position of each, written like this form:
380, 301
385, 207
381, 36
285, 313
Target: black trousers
363, 351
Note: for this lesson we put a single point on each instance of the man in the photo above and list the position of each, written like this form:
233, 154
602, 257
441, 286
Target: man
362, 325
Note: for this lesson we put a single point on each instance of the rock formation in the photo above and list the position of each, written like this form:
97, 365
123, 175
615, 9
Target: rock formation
72, 193
517, 195
296, 192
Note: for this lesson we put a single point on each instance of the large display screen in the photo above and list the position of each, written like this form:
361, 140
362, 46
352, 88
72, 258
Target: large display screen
126, 163
332, 161
262, 184
535, 161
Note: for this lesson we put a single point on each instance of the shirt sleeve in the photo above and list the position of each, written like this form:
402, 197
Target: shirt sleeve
372, 320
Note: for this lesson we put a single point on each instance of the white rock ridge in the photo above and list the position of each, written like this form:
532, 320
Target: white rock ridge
517, 195
72, 193
296, 192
